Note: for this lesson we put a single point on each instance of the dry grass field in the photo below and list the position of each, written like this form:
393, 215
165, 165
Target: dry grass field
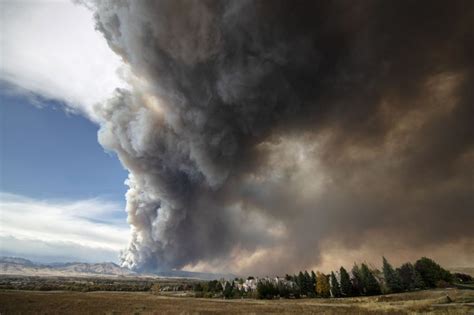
63, 302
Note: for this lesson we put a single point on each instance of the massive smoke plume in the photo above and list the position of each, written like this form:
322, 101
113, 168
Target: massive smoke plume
260, 133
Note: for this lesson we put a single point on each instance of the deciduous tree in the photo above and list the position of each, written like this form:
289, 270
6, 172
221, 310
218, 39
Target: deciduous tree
322, 286
431, 273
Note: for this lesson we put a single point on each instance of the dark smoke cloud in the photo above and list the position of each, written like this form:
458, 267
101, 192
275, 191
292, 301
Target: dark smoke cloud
256, 132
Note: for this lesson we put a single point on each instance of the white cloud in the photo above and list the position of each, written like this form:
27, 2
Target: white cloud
52, 49
48, 252
84, 227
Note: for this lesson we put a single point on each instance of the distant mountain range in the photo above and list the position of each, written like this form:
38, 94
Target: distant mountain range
25, 267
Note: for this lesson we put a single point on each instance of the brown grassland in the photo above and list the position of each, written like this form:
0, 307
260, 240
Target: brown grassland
67, 302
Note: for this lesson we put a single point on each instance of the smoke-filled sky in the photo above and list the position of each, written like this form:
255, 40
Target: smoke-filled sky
272, 136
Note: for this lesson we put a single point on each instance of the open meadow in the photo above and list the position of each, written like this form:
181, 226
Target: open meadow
64, 302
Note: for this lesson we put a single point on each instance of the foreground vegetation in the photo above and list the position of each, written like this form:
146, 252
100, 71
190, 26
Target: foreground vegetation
437, 301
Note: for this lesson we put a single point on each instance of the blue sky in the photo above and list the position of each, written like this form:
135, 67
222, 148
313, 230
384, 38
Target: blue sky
61, 196
48, 153
56, 178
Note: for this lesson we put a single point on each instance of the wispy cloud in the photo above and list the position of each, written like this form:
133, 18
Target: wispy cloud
81, 226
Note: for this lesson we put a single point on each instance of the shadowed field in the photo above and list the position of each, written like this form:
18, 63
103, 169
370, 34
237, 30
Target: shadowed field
62, 302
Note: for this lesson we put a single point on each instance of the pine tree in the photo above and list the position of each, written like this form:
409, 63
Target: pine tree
357, 283
308, 284
322, 287
302, 283
370, 284
410, 278
346, 285
313, 281
306, 278
392, 279
335, 288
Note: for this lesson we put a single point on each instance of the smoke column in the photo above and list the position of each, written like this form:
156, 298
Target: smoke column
258, 132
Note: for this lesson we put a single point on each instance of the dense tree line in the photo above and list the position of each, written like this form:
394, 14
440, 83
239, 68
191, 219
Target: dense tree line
361, 281
83, 284
268, 290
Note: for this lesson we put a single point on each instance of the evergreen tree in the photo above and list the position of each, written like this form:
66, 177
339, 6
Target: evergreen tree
431, 272
322, 286
392, 279
417, 280
313, 281
335, 288
213, 286
227, 290
410, 279
236, 293
297, 280
302, 283
283, 290
308, 285
346, 285
357, 283
369, 283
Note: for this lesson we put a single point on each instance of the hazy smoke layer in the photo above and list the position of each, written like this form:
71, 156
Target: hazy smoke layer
258, 131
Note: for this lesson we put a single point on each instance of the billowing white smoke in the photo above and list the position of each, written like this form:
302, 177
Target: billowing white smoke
258, 130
